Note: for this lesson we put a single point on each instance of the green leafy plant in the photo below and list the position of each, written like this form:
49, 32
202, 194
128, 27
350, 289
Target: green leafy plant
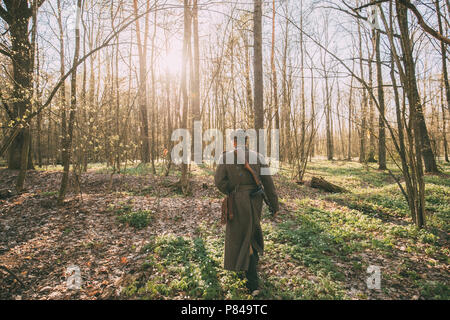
137, 219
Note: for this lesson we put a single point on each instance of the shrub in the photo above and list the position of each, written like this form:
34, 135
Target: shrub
137, 219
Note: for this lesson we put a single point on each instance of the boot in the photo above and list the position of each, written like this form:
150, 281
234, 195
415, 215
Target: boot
251, 274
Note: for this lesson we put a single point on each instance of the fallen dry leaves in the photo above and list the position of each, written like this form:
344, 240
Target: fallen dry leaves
39, 240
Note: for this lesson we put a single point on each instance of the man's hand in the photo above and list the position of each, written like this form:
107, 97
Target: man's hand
273, 214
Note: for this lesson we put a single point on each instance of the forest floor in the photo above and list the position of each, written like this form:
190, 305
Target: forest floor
135, 236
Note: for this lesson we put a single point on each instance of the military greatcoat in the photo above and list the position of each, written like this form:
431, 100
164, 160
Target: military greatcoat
244, 230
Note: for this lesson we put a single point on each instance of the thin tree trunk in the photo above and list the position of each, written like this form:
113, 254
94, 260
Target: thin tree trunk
444, 127
37, 94
285, 115
73, 106
338, 113
421, 144
445, 81
362, 134
184, 181
248, 85
313, 112
328, 116
258, 68
196, 116
142, 48
274, 75
412, 90
350, 107
153, 113
371, 155
381, 129
303, 100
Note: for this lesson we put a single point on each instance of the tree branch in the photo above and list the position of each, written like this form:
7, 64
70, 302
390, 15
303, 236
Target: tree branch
6, 107
12, 274
370, 4
422, 22
40, 3
357, 15
5, 15
411, 7
6, 53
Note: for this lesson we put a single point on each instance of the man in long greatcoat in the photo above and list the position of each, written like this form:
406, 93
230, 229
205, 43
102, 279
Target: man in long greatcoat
244, 239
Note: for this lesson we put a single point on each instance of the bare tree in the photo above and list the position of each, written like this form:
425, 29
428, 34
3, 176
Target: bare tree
184, 181
381, 126
258, 66
142, 49
67, 141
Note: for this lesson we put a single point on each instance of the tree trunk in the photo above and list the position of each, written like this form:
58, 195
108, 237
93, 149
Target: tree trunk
362, 130
420, 133
142, 48
313, 113
350, 107
285, 113
248, 85
17, 17
274, 74
184, 181
371, 155
36, 92
412, 90
195, 71
446, 83
154, 113
67, 147
321, 183
328, 117
381, 129
303, 99
258, 68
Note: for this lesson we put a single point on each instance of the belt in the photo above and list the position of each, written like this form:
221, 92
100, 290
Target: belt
245, 187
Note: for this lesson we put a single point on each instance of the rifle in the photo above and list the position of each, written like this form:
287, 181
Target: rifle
259, 188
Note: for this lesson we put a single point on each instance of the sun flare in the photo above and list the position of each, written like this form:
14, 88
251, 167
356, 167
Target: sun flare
171, 62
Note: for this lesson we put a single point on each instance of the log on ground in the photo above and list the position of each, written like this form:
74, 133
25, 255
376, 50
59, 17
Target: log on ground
321, 183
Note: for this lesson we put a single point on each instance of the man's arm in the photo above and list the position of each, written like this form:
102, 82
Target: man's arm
269, 188
221, 179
